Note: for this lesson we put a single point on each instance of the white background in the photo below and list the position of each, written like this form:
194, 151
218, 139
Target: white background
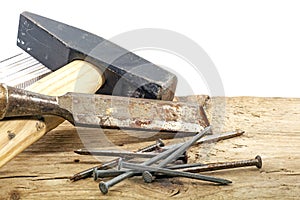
255, 44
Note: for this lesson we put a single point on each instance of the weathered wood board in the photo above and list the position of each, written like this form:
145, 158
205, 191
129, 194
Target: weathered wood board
272, 128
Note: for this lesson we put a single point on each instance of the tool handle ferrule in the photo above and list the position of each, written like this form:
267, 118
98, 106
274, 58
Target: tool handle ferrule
16, 102
3, 100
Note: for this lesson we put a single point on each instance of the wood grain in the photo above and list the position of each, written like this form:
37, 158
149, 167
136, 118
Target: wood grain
16, 135
272, 131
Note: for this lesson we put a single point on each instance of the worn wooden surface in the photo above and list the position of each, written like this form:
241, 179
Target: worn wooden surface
272, 128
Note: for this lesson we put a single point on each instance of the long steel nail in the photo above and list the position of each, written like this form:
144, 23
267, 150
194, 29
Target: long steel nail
257, 161
110, 164
123, 154
220, 136
113, 153
192, 167
188, 165
148, 177
107, 173
215, 137
89, 172
104, 186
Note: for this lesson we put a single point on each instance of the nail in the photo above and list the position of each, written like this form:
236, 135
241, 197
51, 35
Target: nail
220, 136
147, 176
110, 164
104, 186
89, 172
108, 173
186, 165
215, 137
159, 143
257, 161
113, 153
142, 153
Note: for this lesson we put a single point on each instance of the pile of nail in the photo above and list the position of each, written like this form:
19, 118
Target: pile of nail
162, 164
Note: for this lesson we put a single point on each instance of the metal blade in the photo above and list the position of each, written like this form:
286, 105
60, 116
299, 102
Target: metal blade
133, 113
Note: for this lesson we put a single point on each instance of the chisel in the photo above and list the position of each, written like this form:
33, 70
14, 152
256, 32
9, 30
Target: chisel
104, 110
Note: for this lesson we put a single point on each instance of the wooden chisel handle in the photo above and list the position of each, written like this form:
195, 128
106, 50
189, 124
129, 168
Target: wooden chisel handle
17, 134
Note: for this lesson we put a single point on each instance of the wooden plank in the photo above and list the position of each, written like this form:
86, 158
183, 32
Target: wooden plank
272, 131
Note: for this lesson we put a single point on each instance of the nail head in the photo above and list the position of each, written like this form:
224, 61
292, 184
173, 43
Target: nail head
103, 187
147, 176
259, 163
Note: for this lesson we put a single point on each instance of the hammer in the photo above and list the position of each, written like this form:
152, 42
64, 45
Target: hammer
55, 45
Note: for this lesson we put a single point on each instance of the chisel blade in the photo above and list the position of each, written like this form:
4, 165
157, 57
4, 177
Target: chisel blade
105, 110
133, 113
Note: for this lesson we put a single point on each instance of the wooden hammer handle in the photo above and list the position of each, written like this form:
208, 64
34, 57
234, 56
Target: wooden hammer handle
16, 135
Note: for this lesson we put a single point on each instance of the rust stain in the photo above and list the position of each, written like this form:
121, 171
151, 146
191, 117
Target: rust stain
141, 123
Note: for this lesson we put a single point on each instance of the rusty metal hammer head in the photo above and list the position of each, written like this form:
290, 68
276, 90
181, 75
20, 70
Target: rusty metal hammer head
55, 44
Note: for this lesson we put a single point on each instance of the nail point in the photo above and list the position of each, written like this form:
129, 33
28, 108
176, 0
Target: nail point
241, 132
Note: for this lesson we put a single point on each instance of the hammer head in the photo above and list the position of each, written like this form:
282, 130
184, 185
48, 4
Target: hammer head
55, 44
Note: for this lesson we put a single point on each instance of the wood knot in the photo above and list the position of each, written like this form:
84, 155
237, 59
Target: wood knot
39, 126
10, 135
14, 195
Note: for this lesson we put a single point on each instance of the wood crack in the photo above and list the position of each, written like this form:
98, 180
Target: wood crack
23, 176
176, 193
52, 178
